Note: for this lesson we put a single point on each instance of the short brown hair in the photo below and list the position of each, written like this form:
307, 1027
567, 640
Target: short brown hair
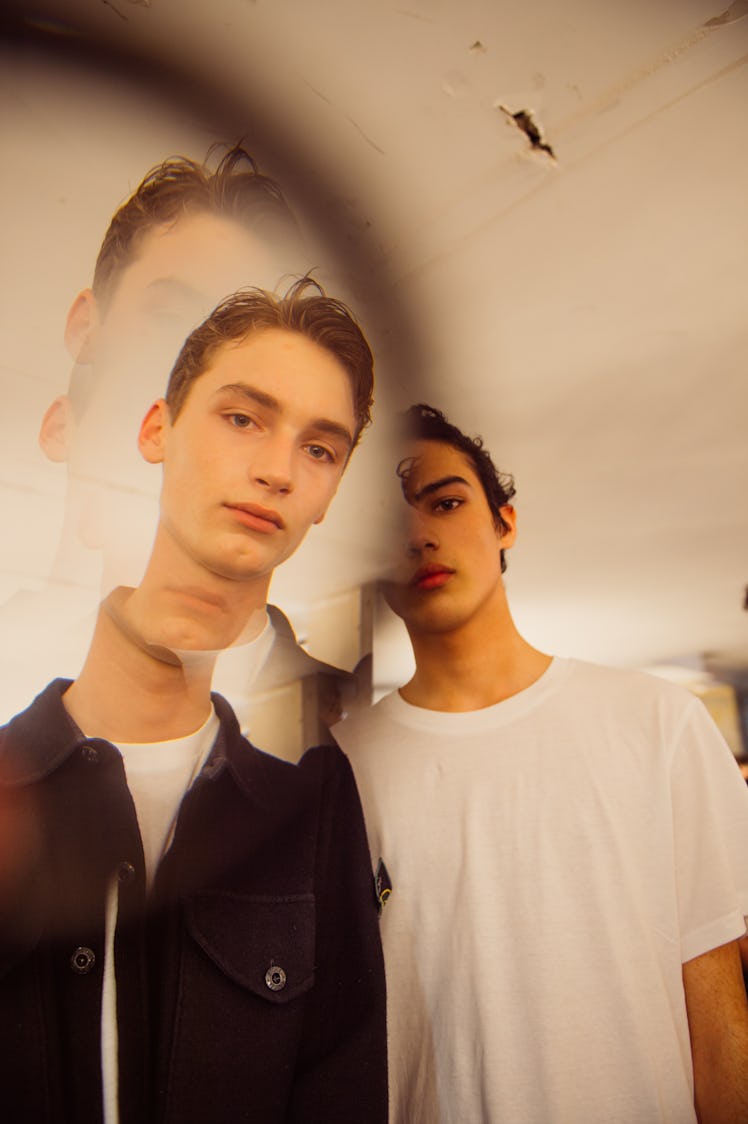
306, 309
178, 187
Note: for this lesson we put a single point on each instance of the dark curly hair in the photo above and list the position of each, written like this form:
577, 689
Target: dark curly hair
426, 423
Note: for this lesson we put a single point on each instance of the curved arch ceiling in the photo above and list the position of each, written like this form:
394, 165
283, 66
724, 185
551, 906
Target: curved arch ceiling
585, 313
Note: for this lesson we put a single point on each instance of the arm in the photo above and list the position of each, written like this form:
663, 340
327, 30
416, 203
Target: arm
718, 1024
743, 943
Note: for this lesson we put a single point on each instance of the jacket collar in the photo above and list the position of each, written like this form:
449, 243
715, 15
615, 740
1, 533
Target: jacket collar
39, 740
252, 770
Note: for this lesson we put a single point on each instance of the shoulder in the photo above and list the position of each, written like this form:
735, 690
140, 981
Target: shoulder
651, 717
619, 680
369, 723
34, 742
325, 767
622, 687
321, 769
328, 771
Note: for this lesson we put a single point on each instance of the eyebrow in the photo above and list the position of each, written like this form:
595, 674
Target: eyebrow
269, 402
435, 485
173, 286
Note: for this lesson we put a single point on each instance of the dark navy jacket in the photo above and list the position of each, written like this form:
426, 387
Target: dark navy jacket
250, 984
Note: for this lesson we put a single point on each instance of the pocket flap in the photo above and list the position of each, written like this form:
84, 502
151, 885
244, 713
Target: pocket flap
262, 943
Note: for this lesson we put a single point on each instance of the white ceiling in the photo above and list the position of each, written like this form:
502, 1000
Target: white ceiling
586, 315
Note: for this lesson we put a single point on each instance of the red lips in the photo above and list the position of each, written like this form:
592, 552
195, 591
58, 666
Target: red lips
431, 576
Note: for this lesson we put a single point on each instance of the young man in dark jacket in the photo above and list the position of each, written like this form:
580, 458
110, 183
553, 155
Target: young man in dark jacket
187, 236
188, 930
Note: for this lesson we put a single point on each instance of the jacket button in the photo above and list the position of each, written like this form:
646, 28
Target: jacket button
125, 872
275, 978
90, 754
82, 961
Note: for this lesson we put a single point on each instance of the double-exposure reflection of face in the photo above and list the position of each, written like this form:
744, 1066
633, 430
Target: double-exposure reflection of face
125, 352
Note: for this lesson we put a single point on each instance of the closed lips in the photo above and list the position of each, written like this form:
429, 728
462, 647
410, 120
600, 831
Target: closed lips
256, 512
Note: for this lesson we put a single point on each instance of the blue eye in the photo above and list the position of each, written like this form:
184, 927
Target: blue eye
319, 453
240, 421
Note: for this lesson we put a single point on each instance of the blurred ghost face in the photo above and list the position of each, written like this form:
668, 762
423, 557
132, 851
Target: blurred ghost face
124, 353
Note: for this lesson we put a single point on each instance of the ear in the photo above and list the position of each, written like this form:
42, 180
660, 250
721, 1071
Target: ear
507, 534
81, 327
56, 430
153, 433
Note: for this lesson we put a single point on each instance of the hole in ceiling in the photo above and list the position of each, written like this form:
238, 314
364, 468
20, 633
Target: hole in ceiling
524, 120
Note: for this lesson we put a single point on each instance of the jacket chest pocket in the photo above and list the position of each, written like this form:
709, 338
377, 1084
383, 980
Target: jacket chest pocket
264, 944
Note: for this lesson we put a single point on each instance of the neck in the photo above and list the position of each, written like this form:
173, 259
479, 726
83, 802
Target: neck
148, 671
132, 690
477, 664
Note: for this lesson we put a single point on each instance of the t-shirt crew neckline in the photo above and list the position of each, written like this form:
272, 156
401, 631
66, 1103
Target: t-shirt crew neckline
488, 717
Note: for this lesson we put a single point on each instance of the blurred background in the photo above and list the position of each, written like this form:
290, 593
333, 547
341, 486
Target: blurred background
537, 209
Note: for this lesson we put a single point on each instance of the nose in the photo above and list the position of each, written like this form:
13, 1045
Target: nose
272, 467
421, 533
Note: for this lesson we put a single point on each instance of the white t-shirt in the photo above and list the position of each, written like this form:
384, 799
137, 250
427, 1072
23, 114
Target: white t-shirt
554, 859
158, 775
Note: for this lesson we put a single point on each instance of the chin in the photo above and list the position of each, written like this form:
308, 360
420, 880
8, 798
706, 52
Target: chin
240, 570
433, 620
187, 639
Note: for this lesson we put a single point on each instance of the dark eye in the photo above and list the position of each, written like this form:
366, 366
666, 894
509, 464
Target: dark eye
449, 503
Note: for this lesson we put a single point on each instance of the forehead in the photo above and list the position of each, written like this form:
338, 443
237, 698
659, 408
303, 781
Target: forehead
299, 374
426, 462
200, 258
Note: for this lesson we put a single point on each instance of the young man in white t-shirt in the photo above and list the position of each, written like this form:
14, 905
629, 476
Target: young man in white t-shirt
187, 926
564, 846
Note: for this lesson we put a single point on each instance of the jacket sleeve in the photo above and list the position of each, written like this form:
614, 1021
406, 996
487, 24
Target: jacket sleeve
342, 1070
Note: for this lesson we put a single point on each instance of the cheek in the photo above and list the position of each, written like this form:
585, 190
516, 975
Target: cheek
397, 571
190, 460
181, 487
483, 543
393, 593
142, 345
316, 490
